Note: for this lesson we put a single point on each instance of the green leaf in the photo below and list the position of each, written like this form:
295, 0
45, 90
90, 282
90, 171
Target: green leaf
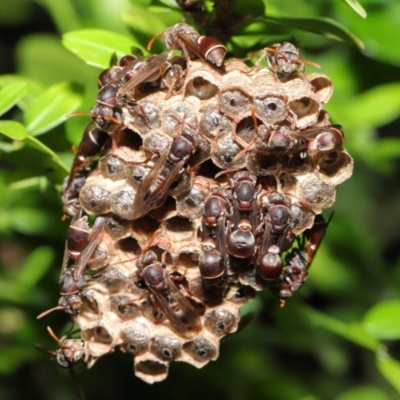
383, 320
95, 46
145, 24
10, 95
387, 148
35, 266
357, 7
13, 130
353, 332
43, 57
389, 368
51, 107
364, 392
30, 221
63, 13
13, 356
170, 3
377, 106
38, 145
32, 88
321, 26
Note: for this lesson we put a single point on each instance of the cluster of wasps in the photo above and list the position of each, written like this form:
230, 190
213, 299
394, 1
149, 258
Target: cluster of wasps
207, 178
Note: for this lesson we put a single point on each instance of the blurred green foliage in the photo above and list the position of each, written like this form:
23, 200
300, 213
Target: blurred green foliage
339, 337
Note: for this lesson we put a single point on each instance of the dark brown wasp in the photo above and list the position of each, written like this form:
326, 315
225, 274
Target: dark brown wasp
241, 241
70, 352
245, 191
277, 236
177, 308
213, 259
107, 112
71, 187
276, 211
184, 37
145, 69
277, 139
95, 236
325, 138
298, 260
116, 67
174, 75
284, 59
153, 190
108, 75
92, 143
79, 247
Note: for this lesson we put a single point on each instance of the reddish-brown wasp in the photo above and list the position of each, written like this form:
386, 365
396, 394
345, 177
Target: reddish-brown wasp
176, 307
70, 192
184, 37
174, 75
107, 111
245, 192
213, 259
153, 190
92, 142
116, 67
298, 260
70, 352
277, 236
325, 138
284, 59
145, 69
79, 247
241, 242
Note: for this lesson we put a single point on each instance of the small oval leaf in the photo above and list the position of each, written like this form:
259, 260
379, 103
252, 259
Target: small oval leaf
95, 46
13, 130
32, 88
38, 145
383, 320
10, 95
377, 106
357, 7
390, 369
51, 107
36, 264
321, 26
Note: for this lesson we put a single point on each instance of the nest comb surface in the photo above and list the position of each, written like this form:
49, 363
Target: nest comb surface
224, 109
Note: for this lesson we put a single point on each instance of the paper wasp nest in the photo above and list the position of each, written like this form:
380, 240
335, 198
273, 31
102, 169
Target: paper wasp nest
210, 181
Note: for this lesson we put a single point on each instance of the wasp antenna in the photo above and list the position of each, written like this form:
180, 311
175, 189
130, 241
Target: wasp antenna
151, 41
152, 239
123, 262
44, 313
78, 114
312, 63
53, 335
226, 171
